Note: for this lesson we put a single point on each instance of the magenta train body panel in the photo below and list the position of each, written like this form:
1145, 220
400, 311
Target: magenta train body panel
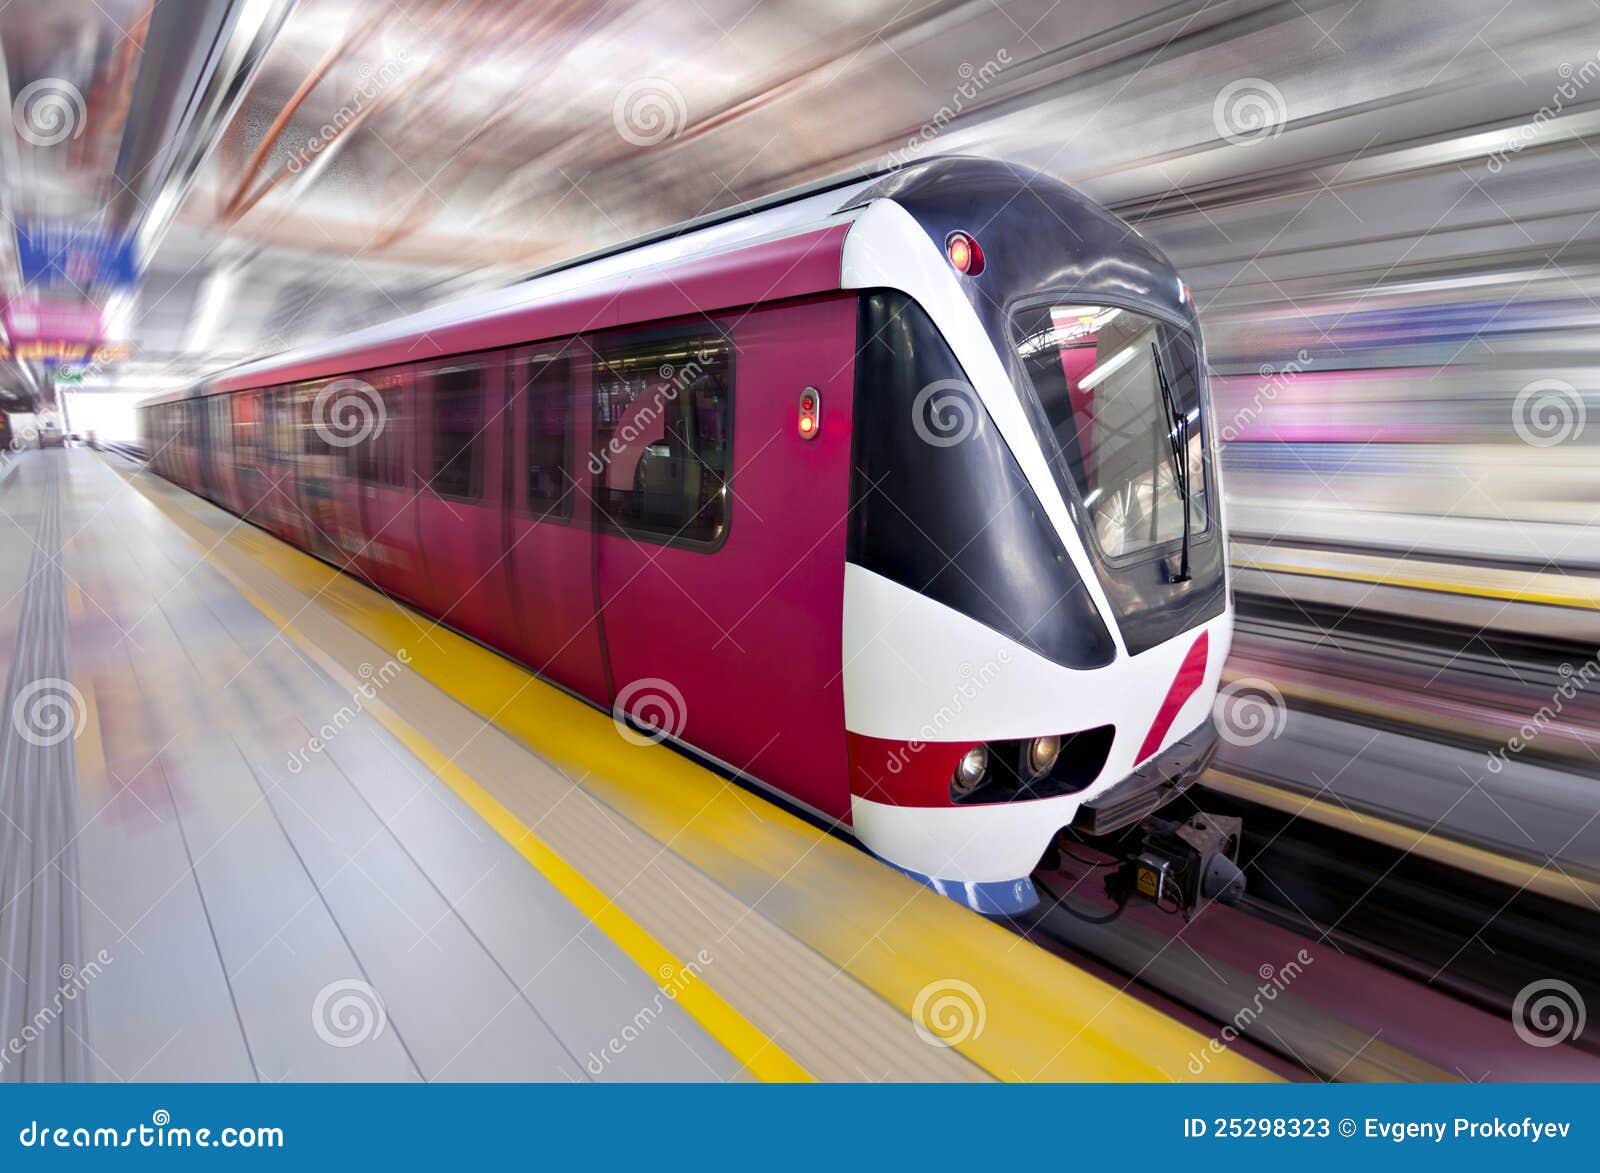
695, 481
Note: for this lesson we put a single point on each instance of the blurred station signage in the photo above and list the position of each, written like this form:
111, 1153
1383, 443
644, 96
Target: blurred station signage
55, 254
55, 330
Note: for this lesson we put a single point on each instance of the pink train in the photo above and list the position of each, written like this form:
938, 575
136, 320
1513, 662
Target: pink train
895, 496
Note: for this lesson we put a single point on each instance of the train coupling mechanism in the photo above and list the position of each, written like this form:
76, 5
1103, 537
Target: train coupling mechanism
1181, 866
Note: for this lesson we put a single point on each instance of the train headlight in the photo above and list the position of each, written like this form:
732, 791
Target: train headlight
971, 770
1042, 754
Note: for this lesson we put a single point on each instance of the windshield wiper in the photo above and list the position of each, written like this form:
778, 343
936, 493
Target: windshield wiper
1178, 437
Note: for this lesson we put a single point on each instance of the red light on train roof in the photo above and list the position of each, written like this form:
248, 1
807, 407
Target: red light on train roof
964, 253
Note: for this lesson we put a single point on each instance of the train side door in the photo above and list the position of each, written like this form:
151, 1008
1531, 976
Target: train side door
388, 554
722, 556
282, 513
459, 498
549, 535
318, 461
247, 430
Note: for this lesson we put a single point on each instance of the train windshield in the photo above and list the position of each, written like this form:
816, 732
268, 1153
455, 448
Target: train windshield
1118, 412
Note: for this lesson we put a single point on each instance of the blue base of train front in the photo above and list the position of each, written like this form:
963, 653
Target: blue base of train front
990, 897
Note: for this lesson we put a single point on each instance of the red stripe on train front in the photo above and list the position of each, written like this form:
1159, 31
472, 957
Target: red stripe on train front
1190, 673
903, 773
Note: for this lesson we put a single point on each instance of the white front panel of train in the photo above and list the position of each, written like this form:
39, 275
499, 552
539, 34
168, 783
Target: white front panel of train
916, 670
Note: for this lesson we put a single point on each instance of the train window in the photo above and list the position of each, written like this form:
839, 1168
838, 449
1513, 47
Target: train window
379, 457
1119, 396
246, 426
546, 385
393, 466
663, 435
457, 432
221, 430
282, 424
312, 440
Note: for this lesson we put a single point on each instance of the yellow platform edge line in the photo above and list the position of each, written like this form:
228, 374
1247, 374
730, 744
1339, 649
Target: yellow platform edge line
1122, 1052
1517, 873
758, 1054
1544, 598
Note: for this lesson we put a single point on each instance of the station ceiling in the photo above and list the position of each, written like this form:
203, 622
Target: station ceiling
289, 170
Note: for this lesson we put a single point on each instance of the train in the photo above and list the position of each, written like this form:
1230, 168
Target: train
895, 496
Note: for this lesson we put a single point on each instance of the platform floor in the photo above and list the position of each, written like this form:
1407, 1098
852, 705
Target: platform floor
240, 902
258, 824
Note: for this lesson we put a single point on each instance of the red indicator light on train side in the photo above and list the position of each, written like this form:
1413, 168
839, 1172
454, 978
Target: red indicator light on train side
810, 413
964, 253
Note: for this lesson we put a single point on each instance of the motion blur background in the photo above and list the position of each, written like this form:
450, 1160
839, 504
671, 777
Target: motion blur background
1386, 211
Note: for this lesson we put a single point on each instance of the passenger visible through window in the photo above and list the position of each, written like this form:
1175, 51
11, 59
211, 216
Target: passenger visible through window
663, 426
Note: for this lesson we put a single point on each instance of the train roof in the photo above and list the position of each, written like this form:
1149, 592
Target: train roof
783, 214
785, 245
